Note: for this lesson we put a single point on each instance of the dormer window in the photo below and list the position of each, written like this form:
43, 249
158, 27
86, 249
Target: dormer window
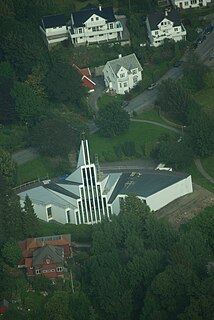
92, 19
122, 75
80, 30
97, 18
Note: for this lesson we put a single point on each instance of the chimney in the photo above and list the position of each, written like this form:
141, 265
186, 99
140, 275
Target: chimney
100, 7
120, 56
166, 13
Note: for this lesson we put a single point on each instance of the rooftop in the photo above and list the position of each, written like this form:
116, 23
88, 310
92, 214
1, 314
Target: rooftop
156, 17
129, 62
53, 21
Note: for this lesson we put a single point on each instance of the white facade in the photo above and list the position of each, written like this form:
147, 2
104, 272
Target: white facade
122, 74
161, 26
87, 196
95, 26
54, 29
186, 4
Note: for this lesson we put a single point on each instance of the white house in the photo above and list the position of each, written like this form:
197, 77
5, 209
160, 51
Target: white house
186, 4
123, 73
165, 25
54, 29
87, 195
95, 25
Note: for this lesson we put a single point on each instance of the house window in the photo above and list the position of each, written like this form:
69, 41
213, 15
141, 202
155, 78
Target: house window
193, 1
135, 79
97, 18
68, 214
91, 36
93, 28
38, 271
120, 85
125, 84
176, 29
186, 3
92, 19
49, 212
156, 33
59, 269
134, 71
100, 35
122, 75
80, 30
111, 25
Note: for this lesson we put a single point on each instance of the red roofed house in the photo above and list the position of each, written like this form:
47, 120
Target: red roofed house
45, 256
4, 305
86, 78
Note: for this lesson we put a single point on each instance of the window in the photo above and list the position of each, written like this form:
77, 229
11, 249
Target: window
59, 269
100, 35
156, 33
186, 3
135, 79
92, 19
134, 71
37, 271
97, 18
68, 214
111, 26
176, 29
125, 84
93, 28
193, 1
49, 212
91, 36
80, 30
122, 75
120, 85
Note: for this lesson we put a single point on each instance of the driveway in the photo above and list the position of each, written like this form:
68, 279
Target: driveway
98, 92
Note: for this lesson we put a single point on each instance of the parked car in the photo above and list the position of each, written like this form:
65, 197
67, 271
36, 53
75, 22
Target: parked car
124, 103
178, 63
201, 39
152, 86
208, 29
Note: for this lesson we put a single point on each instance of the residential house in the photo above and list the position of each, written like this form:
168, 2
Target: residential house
54, 29
45, 256
165, 25
122, 74
88, 195
86, 78
95, 25
186, 4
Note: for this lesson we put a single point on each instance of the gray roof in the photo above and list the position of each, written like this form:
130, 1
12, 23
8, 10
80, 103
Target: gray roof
146, 183
156, 17
83, 15
129, 62
52, 252
57, 20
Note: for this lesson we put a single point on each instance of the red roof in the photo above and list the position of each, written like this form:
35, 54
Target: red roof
86, 78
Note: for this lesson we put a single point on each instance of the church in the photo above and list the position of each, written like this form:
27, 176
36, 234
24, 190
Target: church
87, 195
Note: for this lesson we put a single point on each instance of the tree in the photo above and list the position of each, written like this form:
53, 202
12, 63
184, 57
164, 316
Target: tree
55, 137
175, 100
11, 252
64, 84
30, 220
8, 112
7, 167
29, 106
202, 134
194, 72
112, 120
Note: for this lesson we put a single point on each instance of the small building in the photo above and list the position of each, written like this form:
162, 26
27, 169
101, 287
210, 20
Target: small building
95, 25
87, 195
86, 78
45, 256
186, 4
122, 74
4, 305
54, 29
165, 25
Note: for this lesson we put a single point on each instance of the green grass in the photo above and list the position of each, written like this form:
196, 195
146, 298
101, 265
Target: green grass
152, 115
41, 168
206, 99
199, 179
13, 138
105, 100
208, 164
142, 134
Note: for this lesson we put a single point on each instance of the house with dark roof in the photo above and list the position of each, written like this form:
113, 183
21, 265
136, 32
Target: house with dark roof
88, 195
122, 74
45, 256
165, 25
95, 25
54, 29
186, 4
86, 78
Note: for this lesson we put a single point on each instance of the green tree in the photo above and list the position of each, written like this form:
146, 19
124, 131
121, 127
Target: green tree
29, 106
30, 220
8, 112
7, 167
64, 84
112, 120
175, 100
55, 137
11, 252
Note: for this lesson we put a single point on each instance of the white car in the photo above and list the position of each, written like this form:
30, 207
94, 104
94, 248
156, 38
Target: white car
152, 86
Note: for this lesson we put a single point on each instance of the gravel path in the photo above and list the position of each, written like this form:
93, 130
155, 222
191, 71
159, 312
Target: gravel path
157, 124
202, 171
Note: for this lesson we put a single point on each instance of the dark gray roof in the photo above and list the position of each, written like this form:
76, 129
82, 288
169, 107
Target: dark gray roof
156, 17
52, 252
59, 189
57, 20
146, 183
80, 17
129, 62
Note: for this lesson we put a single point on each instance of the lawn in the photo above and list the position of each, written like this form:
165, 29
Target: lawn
208, 164
199, 179
152, 115
41, 168
105, 100
206, 99
142, 134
